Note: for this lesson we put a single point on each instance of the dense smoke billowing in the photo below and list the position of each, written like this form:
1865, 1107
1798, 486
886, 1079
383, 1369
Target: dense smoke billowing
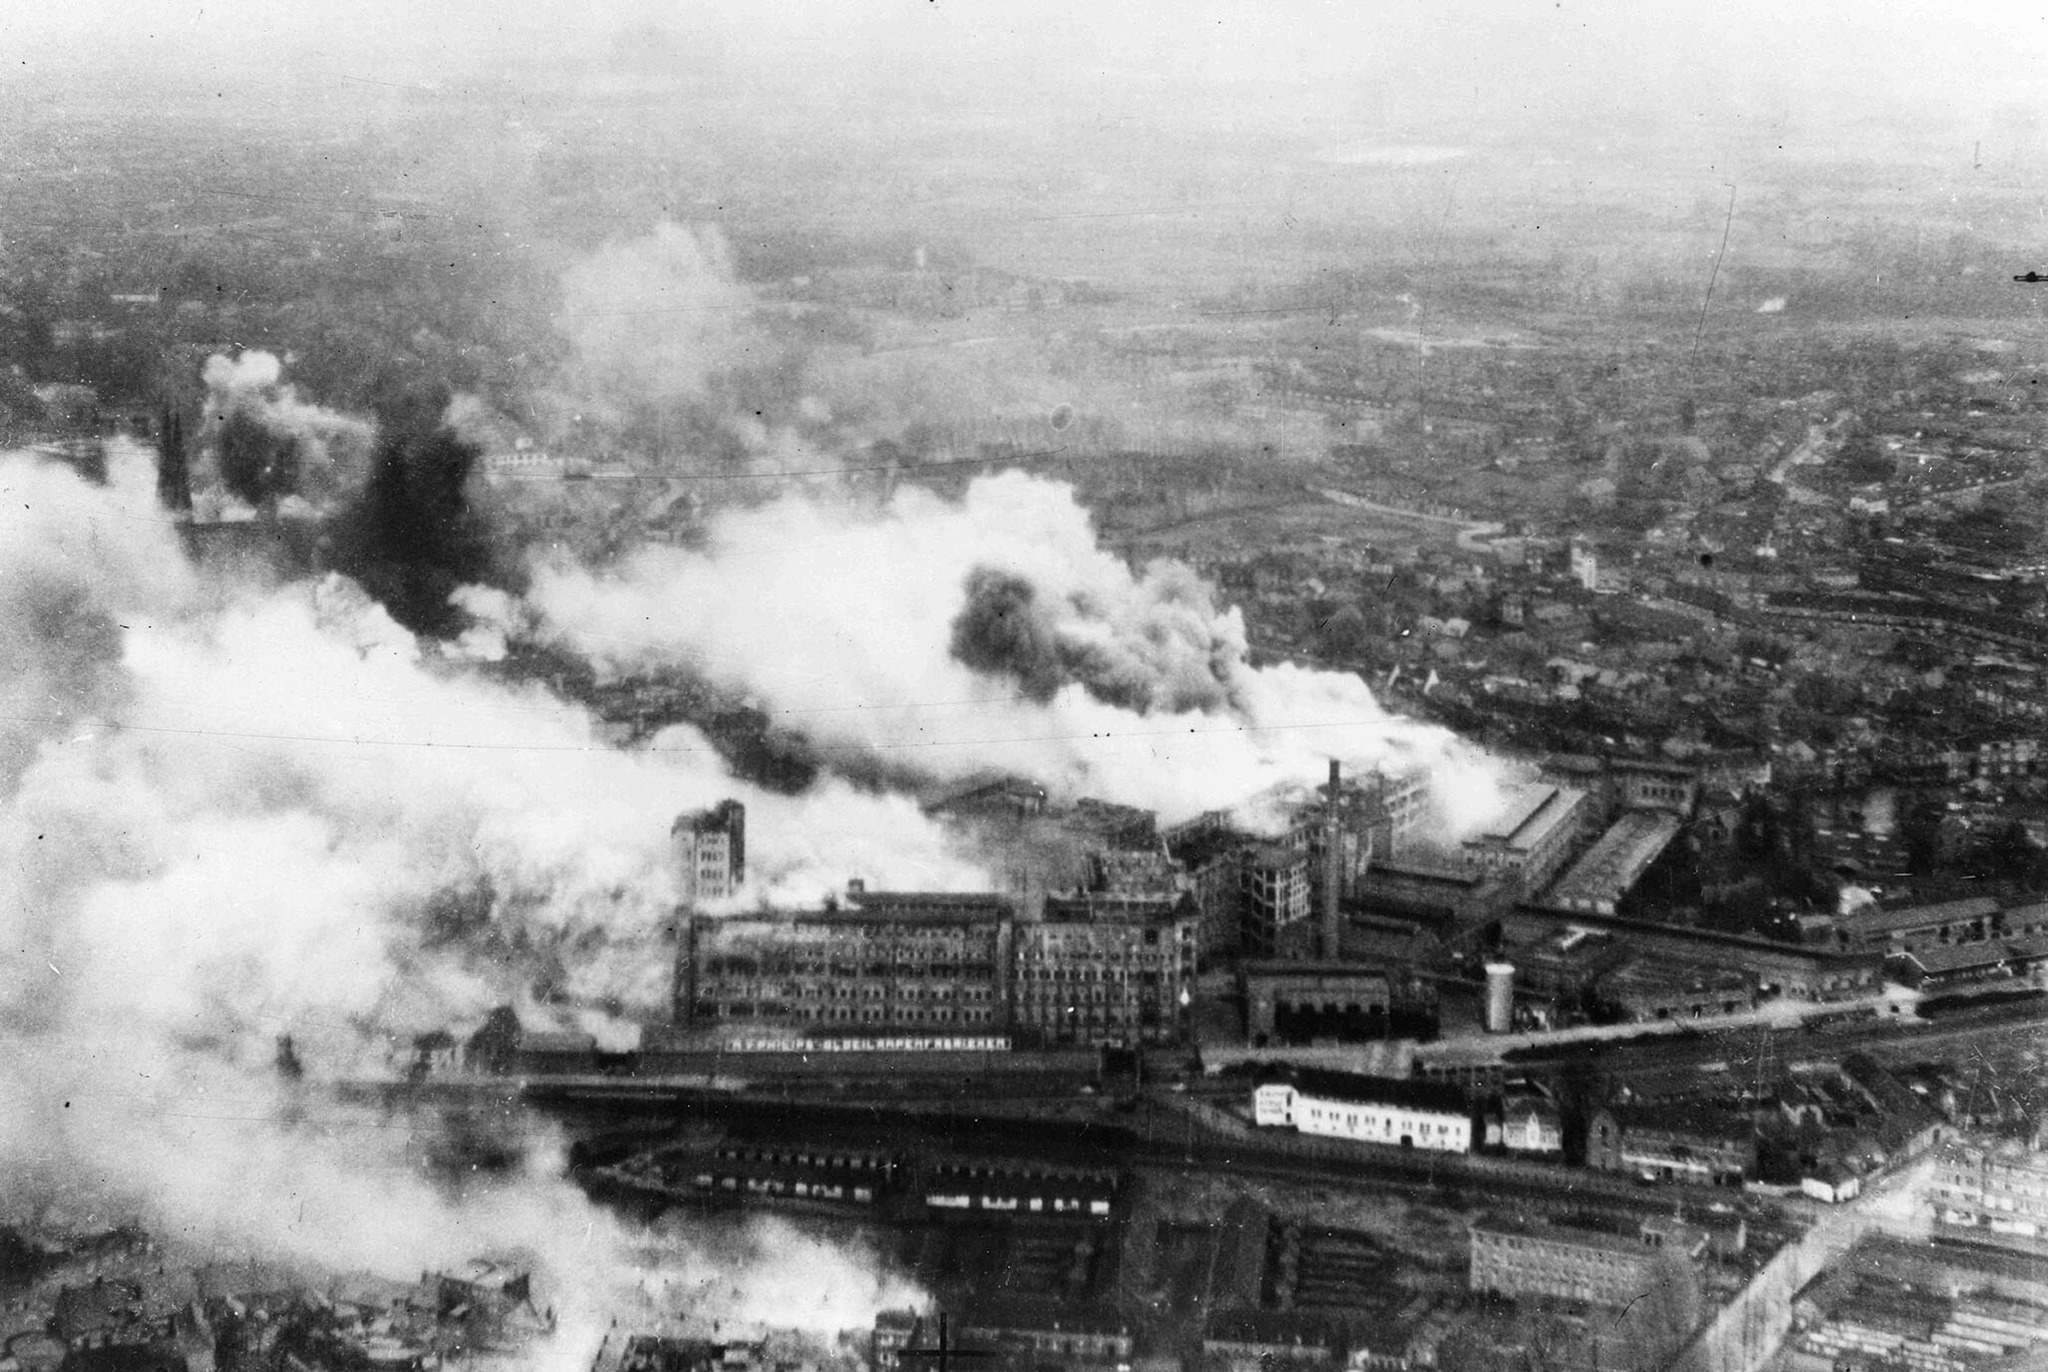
948, 639
656, 318
67, 558
675, 363
680, 367
420, 528
230, 813
1154, 644
262, 445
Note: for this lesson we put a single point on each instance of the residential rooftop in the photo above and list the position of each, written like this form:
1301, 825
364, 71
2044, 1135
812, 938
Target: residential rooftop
1617, 860
1356, 1088
1873, 920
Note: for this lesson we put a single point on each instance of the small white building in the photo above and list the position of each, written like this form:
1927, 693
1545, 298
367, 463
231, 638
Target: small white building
1831, 1185
1530, 1124
1397, 1113
525, 463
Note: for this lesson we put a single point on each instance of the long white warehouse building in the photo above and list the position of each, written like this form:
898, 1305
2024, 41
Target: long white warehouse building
1383, 1110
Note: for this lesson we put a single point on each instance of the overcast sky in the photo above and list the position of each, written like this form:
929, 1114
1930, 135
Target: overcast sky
1852, 57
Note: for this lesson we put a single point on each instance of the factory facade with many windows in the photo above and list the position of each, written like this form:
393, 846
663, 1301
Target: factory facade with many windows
1521, 1257
2003, 1188
1275, 904
859, 970
1095, 970
1107, 970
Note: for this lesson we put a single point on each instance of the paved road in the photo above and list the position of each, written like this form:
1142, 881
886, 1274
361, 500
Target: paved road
1472, 533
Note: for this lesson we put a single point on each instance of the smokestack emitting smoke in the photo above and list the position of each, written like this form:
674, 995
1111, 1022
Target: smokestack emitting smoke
230, 814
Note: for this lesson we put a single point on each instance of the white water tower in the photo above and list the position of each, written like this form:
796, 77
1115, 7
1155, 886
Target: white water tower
1500, 997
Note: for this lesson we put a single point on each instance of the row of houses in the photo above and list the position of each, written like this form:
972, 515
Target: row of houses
1872, 1118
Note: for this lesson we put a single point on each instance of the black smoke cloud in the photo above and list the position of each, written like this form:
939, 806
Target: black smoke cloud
257, 464
421, 526
265, 446
854, 625
235, 811
1152, 644
998, 631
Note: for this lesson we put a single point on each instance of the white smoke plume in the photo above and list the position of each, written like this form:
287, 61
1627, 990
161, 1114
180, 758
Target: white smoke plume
69, 555
229, 814
679, 364
263, 444
993, 633
656, 318
774, 1275
472, 419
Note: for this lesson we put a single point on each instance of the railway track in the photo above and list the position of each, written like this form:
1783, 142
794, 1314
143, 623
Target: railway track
1734, 1051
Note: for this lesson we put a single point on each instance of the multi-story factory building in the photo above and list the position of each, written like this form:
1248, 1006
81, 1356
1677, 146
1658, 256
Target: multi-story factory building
710, 852
1099, 968
2003, 1188
1278, 896
1371, 819
1523, 1256
918, 964
1705, 1146
1533, 837
1275, 902
1107, 969
1211, 853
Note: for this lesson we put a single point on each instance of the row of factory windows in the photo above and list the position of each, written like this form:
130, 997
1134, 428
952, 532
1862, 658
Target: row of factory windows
783, 1186
2031, 1178
2003, 1190
804, 1157
1525, 1249
1103, 936
730, 989
2007, 1203
903, 983
1354, 1120
842, 967
1059, 1205
1118, 974
866, 1014
840, 964
1051, 996
1094, 1014
1125, 953
894, 934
